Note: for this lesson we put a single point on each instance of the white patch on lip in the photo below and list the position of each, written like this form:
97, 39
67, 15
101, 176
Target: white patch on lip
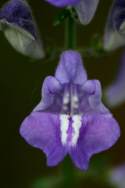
64, 122
64, 125
77, 123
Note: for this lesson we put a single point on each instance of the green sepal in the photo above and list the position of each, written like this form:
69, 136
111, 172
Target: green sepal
60, 18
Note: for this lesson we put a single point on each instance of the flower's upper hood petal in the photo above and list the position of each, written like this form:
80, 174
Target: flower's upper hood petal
18, 25
115, 92
70, 69
62, 3
41, 130
114, 35
86, 10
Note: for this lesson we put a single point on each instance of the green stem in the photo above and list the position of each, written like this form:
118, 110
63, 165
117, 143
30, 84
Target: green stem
70, 33
68, 174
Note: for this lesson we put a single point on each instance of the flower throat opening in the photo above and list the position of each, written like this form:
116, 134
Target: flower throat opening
70, 118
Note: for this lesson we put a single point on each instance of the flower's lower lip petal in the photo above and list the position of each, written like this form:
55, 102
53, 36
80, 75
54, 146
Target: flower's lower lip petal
98, 133
41, 130
79, 157
56, 155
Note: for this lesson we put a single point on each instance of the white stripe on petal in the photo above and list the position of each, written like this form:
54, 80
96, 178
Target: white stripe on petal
77, 123
64, 124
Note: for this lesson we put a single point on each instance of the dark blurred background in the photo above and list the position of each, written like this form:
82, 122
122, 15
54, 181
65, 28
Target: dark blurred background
20, 83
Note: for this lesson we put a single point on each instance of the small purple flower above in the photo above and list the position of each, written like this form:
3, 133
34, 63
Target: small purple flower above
115, 92
70, 118
63, 3
18, 25
84, 8
17, 12
114, 36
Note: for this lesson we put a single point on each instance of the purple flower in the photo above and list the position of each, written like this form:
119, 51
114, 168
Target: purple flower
84, 8
117, 176
70, 118
17, 23
114, 36
63, 3
115, 93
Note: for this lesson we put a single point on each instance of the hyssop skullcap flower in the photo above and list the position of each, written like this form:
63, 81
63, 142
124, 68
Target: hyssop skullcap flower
114, 35
18, 25
70, 118
84, 8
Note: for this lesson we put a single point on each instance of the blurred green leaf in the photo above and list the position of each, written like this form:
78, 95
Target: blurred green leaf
47, 182
65, 13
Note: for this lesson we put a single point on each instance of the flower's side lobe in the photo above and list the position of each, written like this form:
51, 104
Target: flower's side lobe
42, 131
